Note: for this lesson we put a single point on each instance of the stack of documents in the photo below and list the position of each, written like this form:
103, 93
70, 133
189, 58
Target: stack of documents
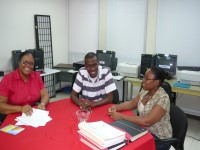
100, 135
38, 118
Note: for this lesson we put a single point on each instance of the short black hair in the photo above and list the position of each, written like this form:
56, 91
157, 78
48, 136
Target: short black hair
160, 74
23, 54
90, 55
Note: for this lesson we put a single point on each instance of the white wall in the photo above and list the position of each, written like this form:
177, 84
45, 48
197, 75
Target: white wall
126, 29
178, 30
83, 28
17, 27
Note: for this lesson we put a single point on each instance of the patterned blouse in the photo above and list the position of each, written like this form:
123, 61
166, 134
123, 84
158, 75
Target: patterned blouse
162, 129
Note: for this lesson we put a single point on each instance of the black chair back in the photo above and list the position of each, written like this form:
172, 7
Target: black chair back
168, 89
179, 124
115, 97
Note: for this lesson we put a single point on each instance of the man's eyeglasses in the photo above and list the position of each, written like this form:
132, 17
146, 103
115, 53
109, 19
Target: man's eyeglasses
24, 62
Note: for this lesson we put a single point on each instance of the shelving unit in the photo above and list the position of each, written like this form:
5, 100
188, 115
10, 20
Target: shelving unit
43, 38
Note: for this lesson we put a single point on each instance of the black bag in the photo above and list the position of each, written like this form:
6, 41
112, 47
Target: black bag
2, 118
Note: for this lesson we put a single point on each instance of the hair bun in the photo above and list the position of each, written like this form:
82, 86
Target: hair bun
168, 76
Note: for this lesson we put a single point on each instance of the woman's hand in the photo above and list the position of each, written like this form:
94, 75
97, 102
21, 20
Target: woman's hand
41, 106
111, 109
116, 115
27, 109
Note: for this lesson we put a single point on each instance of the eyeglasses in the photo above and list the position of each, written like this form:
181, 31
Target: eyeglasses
147, 79
24, 62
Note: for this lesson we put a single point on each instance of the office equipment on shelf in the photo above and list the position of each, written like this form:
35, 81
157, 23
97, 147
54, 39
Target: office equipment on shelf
167, 62
79, 64
38, 55
189, 77
107, 58
147, 60
128, 69
189, 68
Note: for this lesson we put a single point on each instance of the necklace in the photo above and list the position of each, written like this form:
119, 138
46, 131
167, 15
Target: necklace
146, 98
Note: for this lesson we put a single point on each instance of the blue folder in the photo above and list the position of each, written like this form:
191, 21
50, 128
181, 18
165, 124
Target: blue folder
182, 85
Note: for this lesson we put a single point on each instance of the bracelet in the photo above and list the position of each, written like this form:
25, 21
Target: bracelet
42, 103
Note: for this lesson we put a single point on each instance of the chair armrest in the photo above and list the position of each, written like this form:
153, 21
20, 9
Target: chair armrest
168, 141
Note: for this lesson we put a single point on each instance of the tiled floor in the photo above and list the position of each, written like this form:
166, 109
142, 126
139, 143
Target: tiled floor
192, 140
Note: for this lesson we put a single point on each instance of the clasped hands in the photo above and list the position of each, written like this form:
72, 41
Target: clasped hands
28, 110
86, 104
112, 111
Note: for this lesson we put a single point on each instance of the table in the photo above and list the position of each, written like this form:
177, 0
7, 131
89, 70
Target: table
193, 90
61, 132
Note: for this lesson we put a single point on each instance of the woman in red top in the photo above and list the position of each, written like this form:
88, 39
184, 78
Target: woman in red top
22, 88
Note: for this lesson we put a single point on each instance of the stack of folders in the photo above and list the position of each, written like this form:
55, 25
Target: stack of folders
101, 136
133, 131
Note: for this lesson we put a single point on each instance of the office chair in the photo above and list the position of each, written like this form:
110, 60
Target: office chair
168, 89
115, 97
179, 124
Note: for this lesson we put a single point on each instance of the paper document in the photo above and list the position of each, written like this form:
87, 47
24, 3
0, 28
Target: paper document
38, 118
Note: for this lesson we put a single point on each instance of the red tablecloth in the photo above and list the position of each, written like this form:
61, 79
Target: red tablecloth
61, 132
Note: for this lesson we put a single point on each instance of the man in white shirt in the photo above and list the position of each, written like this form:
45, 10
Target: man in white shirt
95, 82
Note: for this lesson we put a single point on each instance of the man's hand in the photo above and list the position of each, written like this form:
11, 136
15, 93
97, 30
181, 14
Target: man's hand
86, 104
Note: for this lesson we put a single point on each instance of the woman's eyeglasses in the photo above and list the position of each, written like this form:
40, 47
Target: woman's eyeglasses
24, 62
147, 79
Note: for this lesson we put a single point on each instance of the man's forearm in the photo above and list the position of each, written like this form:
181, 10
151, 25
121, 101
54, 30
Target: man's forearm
75, 100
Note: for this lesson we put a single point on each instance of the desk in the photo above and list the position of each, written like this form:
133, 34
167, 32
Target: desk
61, 132
49, 71
193, 90
65, 75
49, 80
